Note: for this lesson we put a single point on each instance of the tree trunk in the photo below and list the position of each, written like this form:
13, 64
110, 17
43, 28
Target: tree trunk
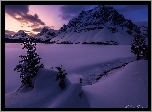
137, 57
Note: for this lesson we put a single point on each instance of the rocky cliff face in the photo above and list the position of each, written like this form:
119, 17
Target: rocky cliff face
20, 34
46, 34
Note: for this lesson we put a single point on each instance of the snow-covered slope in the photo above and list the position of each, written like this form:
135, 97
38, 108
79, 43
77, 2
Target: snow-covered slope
46, 34
99, 24
47, 93
127, 87
121, 37
8, 36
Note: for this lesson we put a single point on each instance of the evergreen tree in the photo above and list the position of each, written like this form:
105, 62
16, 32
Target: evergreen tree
61, 76
138, 46
29, 65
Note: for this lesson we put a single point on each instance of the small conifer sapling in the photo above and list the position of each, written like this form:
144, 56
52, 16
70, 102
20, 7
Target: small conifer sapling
61, 76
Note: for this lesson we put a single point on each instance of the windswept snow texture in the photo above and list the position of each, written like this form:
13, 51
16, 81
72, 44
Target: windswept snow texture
120, 88
126, 87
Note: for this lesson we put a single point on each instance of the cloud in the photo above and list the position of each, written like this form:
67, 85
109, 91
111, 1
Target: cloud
20, 13
31, 34
39, 29
16, 9
26, 31
67, 16
33, 19
52, 27
70, 11
131, 8
141, 23
8, 32
134, 12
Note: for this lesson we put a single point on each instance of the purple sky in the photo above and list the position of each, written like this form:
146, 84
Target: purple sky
32, 18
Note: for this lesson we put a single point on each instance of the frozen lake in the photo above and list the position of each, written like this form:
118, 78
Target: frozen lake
74, 58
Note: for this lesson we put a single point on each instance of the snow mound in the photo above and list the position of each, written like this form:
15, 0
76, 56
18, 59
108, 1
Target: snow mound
75, 78
127, 87
71, 98
47, 93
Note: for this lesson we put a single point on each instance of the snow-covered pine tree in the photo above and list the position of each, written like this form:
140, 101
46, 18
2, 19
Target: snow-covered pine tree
61, 75
145, 48
30, 64
138, 45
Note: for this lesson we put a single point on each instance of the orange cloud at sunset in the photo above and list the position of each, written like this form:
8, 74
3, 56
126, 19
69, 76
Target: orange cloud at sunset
31, 18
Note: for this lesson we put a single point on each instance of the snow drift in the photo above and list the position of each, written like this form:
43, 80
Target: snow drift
46, 93
126, 87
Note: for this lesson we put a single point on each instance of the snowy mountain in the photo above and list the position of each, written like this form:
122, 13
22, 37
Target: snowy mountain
8, 36
144, 29
20, 34
17, 38
103, 23
46, 34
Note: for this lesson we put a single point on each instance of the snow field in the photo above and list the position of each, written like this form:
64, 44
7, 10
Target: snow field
122, 87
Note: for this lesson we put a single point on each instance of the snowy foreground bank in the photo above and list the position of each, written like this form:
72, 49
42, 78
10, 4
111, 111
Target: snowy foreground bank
127, 86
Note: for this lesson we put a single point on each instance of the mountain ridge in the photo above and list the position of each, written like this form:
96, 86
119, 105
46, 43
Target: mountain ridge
99, 18
46, 34
94, 25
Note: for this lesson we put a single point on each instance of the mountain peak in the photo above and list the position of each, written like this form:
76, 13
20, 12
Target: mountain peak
20, 32
45, 29
101, 19
46, 34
